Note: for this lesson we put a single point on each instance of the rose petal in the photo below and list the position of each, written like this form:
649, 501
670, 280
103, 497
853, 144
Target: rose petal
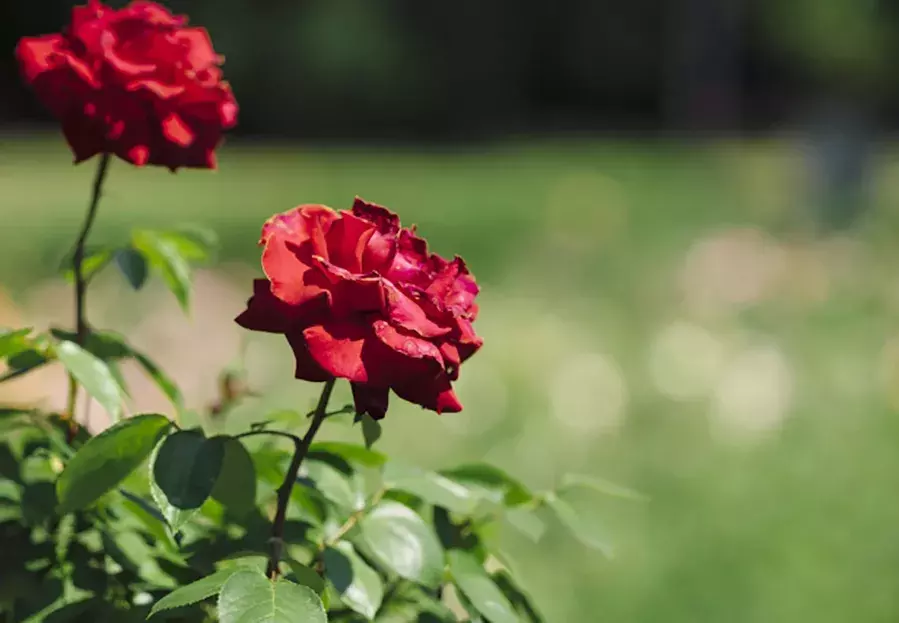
435, 393
453, 287
39, 54
176, 131
307, 368
198, 47
410, 262
406, 345
347, 239
385, 221
406, 313
371, 400
265, 312
337, 347
304, 223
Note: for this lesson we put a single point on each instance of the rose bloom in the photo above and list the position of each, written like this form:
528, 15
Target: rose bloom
135, 82
358, 297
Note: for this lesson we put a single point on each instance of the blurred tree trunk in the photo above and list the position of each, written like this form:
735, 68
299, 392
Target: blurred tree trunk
840, 135
704, 65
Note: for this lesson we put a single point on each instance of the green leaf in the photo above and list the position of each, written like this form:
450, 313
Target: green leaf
14, 341
398, 539
432, 487
359, 586
571, 520
575, 481
517, 597
95, 260
307, 577
471, 578
235, 487
94, 375
107, 459
336, 486
203, 588
165, 257
183, 469
24, 361
349, 452
511, 491
526, 521
250, 597
371, 430
193, 243
133, 266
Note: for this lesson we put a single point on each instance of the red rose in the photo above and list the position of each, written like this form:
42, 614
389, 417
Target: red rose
360, 298
135, 82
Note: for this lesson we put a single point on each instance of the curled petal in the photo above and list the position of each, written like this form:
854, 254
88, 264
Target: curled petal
347, 239
406, 313
453, 287
293, 280
435, 393
386, 222
407, 345
305, 223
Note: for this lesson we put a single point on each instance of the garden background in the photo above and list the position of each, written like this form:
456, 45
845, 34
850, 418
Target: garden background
683, 216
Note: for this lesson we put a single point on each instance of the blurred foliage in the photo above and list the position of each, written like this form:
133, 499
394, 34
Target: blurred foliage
599, 248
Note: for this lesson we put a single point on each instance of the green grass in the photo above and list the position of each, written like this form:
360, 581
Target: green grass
580, 249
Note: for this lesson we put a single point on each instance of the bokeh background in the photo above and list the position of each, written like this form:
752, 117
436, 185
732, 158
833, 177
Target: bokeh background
683, 215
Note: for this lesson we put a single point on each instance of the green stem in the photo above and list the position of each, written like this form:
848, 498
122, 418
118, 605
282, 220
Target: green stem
302, 448
81, 326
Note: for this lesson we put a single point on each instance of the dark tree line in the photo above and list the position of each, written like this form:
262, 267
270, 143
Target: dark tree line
470, 68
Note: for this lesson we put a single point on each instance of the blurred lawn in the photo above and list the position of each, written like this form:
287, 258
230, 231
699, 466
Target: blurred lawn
639, 326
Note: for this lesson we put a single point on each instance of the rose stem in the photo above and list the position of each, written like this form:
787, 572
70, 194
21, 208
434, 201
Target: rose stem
302, 447
81, 327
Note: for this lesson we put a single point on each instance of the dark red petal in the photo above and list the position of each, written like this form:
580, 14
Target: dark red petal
435, 393
371, 400
337, 347
307, 368
84, 136
386, 221
265, 312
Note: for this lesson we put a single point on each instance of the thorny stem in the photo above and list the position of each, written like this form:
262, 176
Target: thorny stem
302, 448
81, 326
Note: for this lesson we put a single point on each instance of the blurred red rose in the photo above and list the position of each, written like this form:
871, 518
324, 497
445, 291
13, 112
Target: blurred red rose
135, 82
360, 298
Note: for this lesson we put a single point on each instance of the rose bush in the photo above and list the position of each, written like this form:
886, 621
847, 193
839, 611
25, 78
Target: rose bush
136, 82
359, 297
